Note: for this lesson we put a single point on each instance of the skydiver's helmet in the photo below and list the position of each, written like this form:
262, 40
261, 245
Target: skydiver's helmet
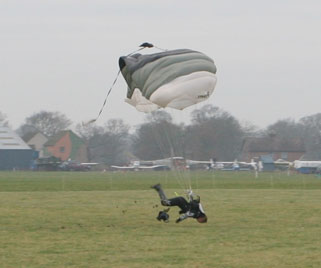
202, 219
163, 216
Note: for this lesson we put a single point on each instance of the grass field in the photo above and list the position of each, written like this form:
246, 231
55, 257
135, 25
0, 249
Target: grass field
61, 219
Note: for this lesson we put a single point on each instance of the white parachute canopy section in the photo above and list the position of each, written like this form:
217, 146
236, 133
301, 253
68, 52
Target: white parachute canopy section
175, 78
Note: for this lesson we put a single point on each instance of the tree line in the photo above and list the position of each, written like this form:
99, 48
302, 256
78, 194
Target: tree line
212, 133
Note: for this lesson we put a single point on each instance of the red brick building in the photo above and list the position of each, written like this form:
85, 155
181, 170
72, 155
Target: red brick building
67, 145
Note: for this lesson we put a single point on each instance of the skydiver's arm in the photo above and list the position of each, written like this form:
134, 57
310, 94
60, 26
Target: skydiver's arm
181, 218
184, 216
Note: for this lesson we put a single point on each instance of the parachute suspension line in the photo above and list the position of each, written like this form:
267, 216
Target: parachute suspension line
158, 141
181, 172
159, 135
158, 138
169, 144
176, 171
162, 147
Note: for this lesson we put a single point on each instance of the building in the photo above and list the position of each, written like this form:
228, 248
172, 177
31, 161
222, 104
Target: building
36, 141
288, 149
15, 154
66, 145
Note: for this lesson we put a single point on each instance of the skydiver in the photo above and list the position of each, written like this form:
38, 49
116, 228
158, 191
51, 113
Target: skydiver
191, 209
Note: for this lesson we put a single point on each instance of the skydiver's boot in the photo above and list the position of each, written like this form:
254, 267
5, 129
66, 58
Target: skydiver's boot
162, 196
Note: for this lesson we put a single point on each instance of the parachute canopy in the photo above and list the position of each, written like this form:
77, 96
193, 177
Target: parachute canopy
175, 78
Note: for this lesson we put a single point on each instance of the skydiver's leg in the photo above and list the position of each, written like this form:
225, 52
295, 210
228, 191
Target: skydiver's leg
162, 196
176, 201
179, 202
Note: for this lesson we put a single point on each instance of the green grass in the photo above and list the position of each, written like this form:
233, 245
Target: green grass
108, 220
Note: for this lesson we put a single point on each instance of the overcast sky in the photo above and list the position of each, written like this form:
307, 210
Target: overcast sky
62, 55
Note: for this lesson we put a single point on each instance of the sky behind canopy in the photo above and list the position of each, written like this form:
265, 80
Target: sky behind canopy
62, 55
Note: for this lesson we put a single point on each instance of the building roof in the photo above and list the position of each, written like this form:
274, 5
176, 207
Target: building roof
9, 140
54, 139
273, 144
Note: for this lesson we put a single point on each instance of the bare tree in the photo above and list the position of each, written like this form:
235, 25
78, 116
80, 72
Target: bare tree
307, 128
158, 137
312, 136
250, 129
286, 128
49, 123
213, 133
109, 144
26, 129
87, 131
158, 116
3, 120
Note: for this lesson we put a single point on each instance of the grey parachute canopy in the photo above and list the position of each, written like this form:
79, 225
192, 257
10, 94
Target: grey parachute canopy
175, 78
